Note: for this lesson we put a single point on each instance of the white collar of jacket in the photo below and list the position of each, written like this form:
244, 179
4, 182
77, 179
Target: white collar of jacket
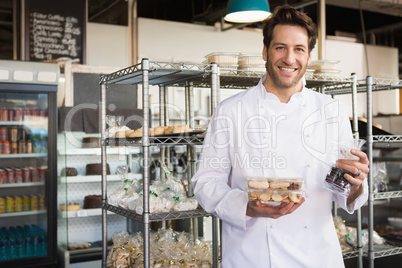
297, 98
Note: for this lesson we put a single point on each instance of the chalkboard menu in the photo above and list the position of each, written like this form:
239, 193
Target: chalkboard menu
55, 29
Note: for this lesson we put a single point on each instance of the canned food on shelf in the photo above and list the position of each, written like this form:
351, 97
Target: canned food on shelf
34, 202
26, 175
42, 205
34, 174
17, 204
28, 147
6, 147
18, 114
21, 147
9, 204
3, 176
3, 134
10, 115
26, 203
14, 148
18, 175
3, 114
2, 205
42, 173
10, 175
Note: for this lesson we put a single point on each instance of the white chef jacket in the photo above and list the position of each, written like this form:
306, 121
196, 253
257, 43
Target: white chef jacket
253, 134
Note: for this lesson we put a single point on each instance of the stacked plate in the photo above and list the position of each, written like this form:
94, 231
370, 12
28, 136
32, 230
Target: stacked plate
325, 67
251, 62
227, 61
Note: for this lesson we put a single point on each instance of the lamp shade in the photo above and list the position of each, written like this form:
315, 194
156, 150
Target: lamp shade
244, 11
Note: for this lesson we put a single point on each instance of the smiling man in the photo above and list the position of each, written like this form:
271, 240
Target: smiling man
279, 129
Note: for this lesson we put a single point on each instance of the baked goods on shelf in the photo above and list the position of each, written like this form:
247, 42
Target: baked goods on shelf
78, 245
181, 129
70, 207
92, 201
156, 131
91, 142
96, 169
69, 171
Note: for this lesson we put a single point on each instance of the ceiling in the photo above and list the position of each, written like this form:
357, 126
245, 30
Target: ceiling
382, 18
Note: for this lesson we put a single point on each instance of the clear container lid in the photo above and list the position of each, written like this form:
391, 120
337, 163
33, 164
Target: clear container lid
275, 183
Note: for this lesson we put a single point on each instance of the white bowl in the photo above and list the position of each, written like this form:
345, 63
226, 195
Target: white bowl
396, 222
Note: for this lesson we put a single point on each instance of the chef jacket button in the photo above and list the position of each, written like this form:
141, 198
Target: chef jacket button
306, 227
308, 165
308, 135
272, 227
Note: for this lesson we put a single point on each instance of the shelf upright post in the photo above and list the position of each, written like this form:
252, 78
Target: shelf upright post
190, 121
147, 162
214, 103
166, 123
355, 130
189, 99
214, 86
162, 122
355, 126
102, 110
369, 82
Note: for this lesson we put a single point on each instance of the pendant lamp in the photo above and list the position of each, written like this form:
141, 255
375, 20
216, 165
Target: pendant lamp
245, 11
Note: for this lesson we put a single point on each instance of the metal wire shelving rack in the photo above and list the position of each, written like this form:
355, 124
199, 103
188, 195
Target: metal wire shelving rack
166, 74
162, 74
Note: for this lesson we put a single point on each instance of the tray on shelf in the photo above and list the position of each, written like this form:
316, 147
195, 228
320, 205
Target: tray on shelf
155, 217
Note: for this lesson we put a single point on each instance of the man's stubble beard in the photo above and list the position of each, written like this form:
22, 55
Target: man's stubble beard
276, 80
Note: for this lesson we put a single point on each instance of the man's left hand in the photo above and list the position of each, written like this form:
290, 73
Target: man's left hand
358, 167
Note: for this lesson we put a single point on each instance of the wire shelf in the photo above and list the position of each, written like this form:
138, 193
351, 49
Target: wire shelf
157, 141
386, 250
385, 195
350, 254
160, 73
156, 217
387, 138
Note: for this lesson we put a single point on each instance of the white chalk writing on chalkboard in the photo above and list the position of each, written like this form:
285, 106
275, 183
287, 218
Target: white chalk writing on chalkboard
53, 36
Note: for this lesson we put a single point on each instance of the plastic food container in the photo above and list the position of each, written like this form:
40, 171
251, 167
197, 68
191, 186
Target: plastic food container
251, 59
225, 58
252, 68
320, 65
294, 184
328, 72
275, 197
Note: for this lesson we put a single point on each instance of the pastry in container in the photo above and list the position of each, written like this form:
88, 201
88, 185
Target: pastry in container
256, 183
328, 73
251, 59
223, 58
251, 68
275, 197
320, 65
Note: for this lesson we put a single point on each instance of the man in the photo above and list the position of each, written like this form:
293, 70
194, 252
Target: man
279, 129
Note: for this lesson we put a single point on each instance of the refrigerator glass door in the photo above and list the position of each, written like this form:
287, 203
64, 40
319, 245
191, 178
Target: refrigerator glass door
24, 159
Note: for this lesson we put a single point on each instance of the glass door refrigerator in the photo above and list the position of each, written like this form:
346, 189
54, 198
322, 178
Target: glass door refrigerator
28, 179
